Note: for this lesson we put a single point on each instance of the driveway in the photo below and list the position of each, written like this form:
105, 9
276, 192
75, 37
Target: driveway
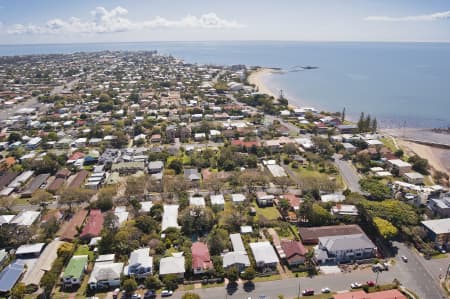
349, 173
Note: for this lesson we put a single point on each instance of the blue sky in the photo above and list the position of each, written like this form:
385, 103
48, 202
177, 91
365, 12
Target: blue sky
56, 21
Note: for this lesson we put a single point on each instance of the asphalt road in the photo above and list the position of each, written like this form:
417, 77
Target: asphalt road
415, 275
349, 174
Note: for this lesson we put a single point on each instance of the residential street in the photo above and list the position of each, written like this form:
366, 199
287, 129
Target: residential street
349, 174
413, 275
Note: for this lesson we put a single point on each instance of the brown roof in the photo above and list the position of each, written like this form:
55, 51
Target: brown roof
390, 294
94, 225
7, 178
312, 234
63, 173
292, 248
69, 229
55, 185
78, 179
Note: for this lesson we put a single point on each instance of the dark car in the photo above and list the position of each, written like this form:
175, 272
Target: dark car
149, 294
308, 292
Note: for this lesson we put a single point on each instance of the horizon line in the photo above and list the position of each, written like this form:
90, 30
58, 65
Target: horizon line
243, 40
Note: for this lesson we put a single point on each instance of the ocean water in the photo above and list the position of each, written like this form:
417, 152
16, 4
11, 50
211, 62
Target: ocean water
402, 84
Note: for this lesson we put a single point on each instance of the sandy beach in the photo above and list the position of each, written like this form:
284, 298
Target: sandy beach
438, 158
257, 78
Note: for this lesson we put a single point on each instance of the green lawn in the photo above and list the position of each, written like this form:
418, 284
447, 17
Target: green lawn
271, 213
213, 285
84, 250
267, 278
389, 143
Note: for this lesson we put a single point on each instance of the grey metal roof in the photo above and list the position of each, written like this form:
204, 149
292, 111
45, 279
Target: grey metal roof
345, 242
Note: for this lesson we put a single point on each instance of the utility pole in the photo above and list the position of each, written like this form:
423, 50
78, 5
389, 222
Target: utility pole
299, 288
376, 280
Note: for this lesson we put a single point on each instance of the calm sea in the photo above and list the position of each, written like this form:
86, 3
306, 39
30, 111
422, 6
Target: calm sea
399, 83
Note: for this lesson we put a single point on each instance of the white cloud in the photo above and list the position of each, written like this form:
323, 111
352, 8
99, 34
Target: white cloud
444, 15
115, 20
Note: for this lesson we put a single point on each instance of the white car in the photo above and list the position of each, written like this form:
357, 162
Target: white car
404, 258
166, 293
356, 285
326, 290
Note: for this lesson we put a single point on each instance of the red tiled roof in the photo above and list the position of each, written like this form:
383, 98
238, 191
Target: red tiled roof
293, 200
247, 144
200, 256
94, 225
390, 294
69, 230
292, 248
76, 156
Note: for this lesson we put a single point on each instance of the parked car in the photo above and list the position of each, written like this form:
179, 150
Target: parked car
308, 292
326, 290
356, 285
166, 293
135, 296
404, 258
150, 294
370, 283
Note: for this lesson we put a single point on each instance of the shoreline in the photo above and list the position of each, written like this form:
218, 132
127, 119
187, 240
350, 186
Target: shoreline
438, 158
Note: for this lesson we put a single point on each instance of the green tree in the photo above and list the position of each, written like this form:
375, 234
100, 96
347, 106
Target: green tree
152, 283
176, 165
385, 228
419, 164
196, 220
170, 281
146, 224
232, 274
129, 285
18, 291
376, 189
249, 274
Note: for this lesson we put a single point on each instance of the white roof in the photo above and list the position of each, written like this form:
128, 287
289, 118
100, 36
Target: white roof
438, 226
264, 252
413, 175
142, 257
170, 217
106, 271
276, 170
233, 257
237, 197
197, 201
217, 199
30, 248
172, 265
399, 163
26, 218
44, 263
146, 206
335, 197
237, 243
4, 219
246, 229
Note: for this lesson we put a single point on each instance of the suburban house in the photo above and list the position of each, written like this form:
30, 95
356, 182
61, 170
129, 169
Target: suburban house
140, 264
237, 198
265, 256
399, 166
344, 210
414, 178
10, 275
172, 265
217, 201
440, 206
43, 264
201, 260
263, 199
93, 226
197, 201
344, 248
311, 235
438, 231
192, 175
105, 275
170, 217
294, 251
155, 167
74, 272
237, 258
29, 250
